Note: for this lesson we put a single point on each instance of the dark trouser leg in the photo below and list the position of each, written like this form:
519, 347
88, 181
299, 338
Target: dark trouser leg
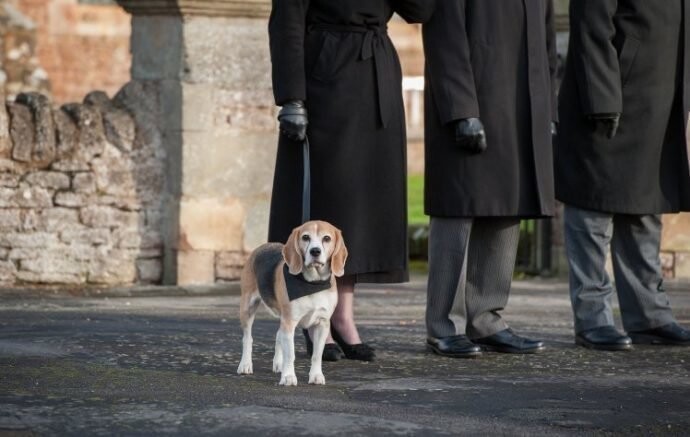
490, 264
637, 269
587, 239
448, 239
458, 314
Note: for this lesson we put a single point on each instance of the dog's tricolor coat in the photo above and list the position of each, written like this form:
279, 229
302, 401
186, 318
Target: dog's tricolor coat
296, 282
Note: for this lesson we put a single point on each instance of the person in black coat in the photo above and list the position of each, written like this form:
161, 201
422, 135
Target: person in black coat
621, 160
490, 108
337, 76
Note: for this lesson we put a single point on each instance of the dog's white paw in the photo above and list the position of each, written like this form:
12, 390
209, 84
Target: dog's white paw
317, 379
277, 366
288, 380
245, 368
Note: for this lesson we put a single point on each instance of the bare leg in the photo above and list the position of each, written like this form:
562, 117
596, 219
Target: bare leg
343, 319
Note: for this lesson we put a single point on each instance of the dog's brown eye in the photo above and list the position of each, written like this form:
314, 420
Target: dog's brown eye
305, 237
327, 238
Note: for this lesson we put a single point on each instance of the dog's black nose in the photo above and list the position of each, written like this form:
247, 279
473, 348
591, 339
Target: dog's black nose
315, 251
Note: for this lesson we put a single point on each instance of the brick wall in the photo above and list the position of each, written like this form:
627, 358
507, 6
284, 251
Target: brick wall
21, 70
82, 47
675, 246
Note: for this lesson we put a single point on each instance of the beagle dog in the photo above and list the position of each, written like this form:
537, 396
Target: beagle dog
296, 282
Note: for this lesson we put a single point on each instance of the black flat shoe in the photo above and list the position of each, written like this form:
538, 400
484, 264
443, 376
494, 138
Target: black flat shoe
604, 338
508, 342
455, 346
361, 351
331, 351
671, 334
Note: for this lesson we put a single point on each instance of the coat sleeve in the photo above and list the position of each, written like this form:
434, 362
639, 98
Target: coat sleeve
448, 62
414, 11
552, 50
286, 31
594, 56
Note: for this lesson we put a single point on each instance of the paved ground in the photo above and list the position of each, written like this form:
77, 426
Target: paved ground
166, 365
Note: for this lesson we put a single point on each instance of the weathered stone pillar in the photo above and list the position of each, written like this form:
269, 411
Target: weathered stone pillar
210, 61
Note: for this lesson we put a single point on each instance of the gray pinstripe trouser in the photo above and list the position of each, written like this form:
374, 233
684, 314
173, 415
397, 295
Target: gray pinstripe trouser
471, 263
634, 241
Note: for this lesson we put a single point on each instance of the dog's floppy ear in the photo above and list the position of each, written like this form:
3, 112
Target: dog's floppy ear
339, 255
291, 253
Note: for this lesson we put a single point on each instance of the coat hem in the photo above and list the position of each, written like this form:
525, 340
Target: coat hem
387, 277
522, 216
379, 274
609, 208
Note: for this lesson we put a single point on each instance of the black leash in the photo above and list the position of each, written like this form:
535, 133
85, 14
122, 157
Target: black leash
306, 182
306, 206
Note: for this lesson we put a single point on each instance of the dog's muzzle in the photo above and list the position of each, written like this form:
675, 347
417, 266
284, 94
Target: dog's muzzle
314, 258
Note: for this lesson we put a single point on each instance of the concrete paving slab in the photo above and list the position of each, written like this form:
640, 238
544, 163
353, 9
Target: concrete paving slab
132, 365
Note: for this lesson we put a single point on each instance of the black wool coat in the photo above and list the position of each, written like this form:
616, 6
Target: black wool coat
628, 56
336, 56
496, 60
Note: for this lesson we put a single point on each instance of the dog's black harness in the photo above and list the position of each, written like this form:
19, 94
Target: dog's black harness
265, 264
298, 287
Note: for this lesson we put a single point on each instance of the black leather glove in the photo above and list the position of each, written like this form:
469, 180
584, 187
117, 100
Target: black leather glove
606, 124
470, 135
293, 120
554, 129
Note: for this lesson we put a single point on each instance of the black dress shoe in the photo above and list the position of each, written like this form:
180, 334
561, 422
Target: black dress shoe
672, 333
455, 346
360, 352
331, 351
508, 342
604, 338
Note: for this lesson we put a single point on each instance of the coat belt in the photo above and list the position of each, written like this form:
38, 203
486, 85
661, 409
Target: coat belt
377, 46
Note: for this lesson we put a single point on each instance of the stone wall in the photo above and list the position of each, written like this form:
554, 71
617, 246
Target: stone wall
82, 189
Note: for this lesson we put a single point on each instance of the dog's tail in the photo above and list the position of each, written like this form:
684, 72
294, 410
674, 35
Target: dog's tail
248, 276
249, 289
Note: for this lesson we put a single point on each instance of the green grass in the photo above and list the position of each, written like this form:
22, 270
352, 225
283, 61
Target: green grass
415, 200
419, 266
528, 226
415, 205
